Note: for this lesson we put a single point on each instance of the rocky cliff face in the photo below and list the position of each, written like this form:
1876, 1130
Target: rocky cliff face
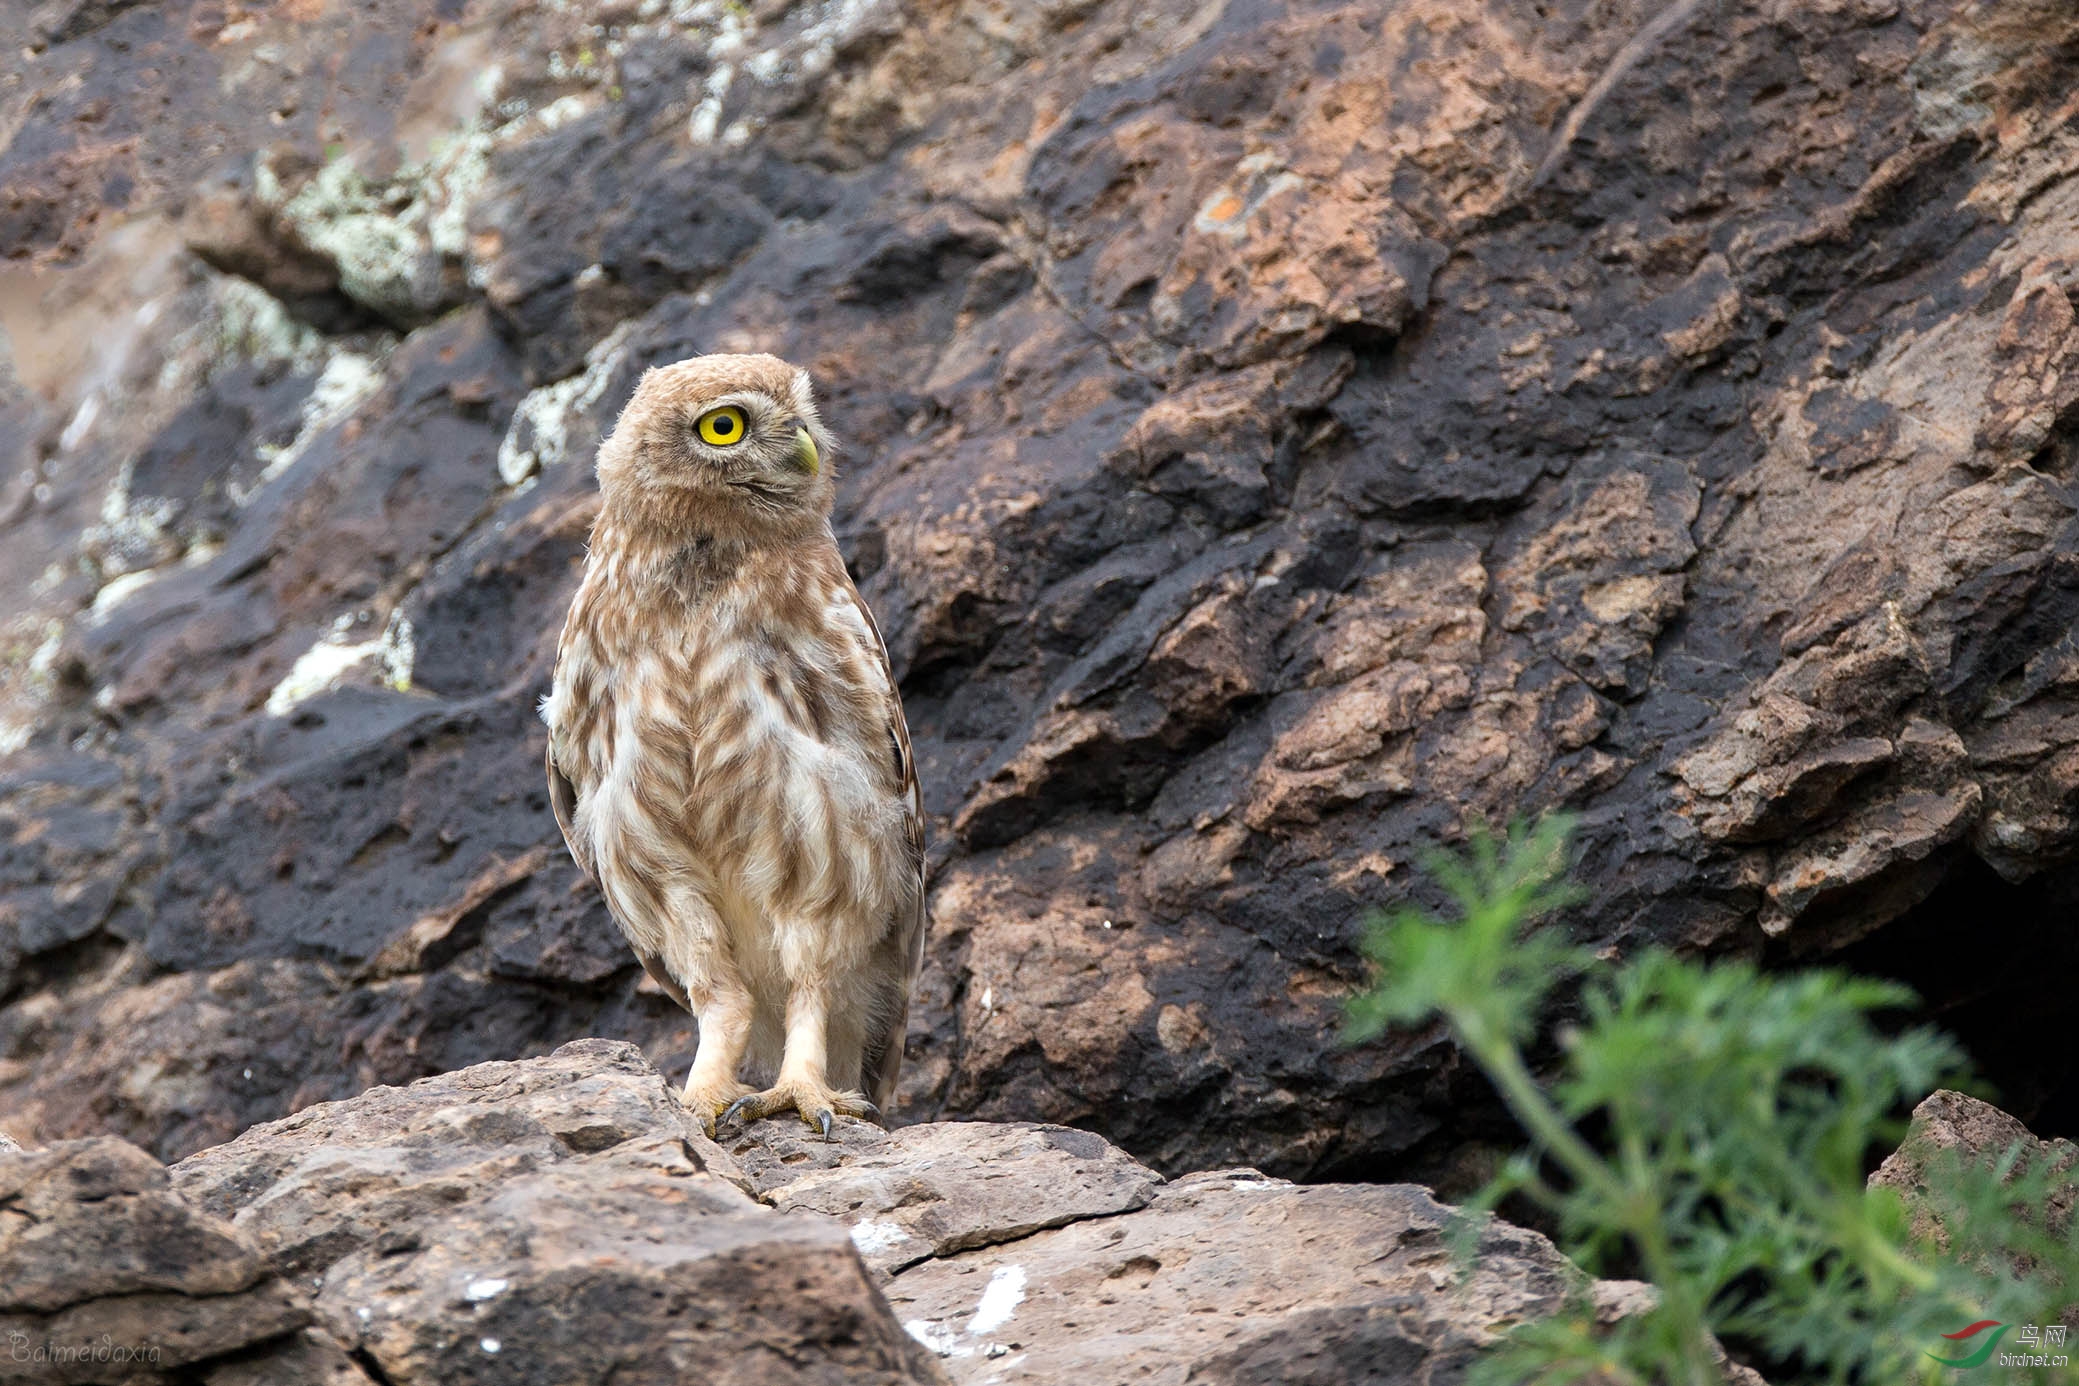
562, 1221
1278, 434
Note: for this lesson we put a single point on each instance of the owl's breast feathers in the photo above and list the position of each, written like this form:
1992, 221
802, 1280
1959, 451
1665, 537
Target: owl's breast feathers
729, 721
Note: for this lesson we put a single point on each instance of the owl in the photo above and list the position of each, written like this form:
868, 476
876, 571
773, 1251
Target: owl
727, 754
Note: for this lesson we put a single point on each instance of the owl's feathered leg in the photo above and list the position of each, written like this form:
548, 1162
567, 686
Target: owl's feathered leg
803, 1084
725, 1031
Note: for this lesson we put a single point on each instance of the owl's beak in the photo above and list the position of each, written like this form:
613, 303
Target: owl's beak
805, 450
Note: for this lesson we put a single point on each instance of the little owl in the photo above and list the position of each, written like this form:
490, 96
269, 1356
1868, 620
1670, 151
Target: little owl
727, 756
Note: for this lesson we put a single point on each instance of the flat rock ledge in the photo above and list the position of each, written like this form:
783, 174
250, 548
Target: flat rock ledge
561, 1221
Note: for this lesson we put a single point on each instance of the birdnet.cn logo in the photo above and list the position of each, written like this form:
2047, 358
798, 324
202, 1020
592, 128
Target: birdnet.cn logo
1979, 1345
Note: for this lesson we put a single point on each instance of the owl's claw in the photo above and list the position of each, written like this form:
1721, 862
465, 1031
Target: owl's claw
817, 1105
706, 1103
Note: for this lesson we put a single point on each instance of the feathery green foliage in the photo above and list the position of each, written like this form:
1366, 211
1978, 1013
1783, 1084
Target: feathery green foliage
1738, 1112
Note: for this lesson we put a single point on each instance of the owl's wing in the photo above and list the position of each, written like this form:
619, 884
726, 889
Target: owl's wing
883, 1055
563, 799
899, 753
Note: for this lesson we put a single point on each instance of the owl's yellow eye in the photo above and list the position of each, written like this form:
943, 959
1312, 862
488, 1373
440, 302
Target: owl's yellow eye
722, 427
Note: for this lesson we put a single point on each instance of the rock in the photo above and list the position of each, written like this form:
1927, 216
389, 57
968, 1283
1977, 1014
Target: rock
617, 1272
559, 1220
562, 1220
1276, 439
1042, 1254
1948, 1125
943, 1187
1954, 1121
1233, 1277
106, 1275
311, 1358
285, 1182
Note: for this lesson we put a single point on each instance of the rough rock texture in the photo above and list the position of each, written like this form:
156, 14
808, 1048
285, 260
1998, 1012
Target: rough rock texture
555, 1222
940, 1188
1234, 1278
1280, 432
558, 1221
561, 1220
106, 1275
1950, 1123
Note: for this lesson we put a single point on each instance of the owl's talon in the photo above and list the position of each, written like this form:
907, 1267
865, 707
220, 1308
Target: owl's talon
707, 1101
818, 1106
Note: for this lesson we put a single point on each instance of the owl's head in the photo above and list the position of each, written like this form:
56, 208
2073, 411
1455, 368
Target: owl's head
729, 445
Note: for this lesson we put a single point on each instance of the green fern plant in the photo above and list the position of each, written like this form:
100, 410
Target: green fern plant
1737, 1113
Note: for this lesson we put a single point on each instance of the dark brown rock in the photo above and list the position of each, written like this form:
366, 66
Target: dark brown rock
563, 1219
94, 1219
